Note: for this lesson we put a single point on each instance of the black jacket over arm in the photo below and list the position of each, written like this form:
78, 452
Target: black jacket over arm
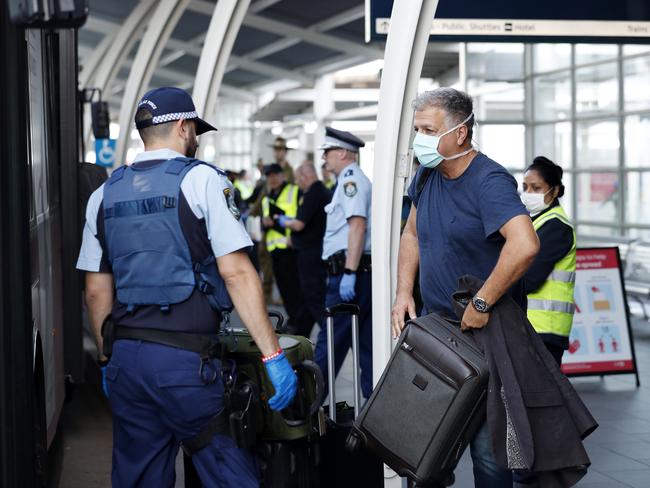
535, 417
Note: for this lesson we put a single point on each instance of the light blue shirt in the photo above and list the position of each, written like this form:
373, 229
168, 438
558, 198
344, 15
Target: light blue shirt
352, 198
203, 189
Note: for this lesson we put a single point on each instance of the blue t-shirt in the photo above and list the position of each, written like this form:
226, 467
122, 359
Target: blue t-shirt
458, 222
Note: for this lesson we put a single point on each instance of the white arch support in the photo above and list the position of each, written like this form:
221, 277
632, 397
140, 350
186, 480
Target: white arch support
222, 32
159, 29
408, 36
103, 74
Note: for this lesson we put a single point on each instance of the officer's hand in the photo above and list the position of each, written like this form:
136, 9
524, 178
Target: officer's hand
284, 379
103, 364
283, 220
473, 319
267, 222
404, 304
346, 287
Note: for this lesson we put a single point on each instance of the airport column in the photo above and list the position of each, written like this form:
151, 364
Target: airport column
406, 44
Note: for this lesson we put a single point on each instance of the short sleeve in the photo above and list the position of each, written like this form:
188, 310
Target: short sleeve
206, 192
355, 197
499, 201
91, 253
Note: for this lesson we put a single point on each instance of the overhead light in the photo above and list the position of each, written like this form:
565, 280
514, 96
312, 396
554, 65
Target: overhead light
276, 130
310, 127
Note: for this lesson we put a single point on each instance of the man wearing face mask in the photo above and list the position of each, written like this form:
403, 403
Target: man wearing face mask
466, 218
164, 251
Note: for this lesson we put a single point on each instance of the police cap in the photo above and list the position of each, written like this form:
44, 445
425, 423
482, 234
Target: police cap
341, 139
272, 168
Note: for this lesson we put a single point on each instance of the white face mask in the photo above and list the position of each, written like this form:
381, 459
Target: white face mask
425, 147
534, 202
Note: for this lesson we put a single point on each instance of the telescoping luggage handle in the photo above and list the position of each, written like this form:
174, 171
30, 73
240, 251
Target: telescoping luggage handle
330, 312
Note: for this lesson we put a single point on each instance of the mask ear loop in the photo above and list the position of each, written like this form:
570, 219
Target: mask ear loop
474, 141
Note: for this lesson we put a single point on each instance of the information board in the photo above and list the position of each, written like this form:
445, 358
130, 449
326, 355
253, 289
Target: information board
601, 338
607, 21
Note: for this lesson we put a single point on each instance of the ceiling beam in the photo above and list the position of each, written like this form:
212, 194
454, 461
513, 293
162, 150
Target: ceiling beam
261, 5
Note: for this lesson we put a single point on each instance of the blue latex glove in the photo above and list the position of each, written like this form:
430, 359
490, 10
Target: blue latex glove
282, 220
104, 384
285, 381
346, 287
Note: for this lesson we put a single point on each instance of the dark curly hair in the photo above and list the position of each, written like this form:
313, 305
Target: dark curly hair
550, 172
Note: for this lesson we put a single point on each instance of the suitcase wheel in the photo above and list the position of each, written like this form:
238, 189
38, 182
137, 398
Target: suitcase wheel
354, 441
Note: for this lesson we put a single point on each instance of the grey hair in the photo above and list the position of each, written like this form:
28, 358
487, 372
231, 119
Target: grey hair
456, 104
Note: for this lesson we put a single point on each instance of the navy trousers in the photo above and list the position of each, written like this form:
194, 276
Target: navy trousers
343, 330
158, 400
313, 281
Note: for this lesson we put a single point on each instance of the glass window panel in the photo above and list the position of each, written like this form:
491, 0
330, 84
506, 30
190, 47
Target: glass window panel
554, 142
504, 143
637, 197
549, 57
597, 89
494, 101
552, 95
567, 199
637, 80
598, 197
637, 140
630, 49
597, 143
639, 233
495, 61
597, 231
590, 53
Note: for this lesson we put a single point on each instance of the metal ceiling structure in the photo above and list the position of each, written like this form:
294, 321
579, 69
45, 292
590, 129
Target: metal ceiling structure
281, 43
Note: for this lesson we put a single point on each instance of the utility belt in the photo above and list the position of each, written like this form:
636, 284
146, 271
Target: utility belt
236, 419
335, 264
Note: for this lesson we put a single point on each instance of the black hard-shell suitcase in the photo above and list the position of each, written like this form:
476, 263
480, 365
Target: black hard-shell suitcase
338, 467
428, 403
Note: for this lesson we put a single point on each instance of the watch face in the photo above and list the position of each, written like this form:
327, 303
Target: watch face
480, 305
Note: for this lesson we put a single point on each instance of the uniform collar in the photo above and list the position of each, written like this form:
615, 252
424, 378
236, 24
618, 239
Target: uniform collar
344, 170
157, 154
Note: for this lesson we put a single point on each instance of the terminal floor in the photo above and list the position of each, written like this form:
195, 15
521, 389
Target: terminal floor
619, 449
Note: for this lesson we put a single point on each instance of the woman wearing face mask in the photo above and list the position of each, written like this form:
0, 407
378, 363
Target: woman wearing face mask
550, 280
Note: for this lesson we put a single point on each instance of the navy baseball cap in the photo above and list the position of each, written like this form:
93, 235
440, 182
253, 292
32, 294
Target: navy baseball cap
168, 104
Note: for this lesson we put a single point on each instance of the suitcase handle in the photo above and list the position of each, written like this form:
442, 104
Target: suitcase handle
310, 367
279, 324
354, 311
339, 308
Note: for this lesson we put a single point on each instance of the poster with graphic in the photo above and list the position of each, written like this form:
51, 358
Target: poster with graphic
600, 340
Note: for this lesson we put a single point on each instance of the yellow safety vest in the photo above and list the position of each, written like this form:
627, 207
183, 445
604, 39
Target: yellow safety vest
551, 307
244, 187
287, 201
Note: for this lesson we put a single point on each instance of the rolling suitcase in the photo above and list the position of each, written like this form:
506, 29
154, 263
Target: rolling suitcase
338, 467
428, 403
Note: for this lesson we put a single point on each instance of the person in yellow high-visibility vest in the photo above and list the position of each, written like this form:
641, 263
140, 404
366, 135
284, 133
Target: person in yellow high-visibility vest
551, 278
282, 200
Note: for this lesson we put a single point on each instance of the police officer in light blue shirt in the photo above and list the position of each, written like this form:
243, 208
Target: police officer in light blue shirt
346, 251
164, 251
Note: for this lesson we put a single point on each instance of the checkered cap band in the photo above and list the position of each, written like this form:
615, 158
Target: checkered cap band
161, 119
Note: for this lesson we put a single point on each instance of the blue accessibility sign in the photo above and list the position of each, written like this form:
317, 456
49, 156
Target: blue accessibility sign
105, 151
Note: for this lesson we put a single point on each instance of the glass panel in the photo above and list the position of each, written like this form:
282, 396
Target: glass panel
554, 142
597, 89
637, 80
549, 57
590, 53
495, 61
552, 94
494, 101
630, 49
567, 200
637, 141
597, 231
504, 143
637, 197
639, 233
598, 197
597, 143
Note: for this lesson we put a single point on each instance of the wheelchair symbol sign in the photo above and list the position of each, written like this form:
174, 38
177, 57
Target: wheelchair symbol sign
105, 152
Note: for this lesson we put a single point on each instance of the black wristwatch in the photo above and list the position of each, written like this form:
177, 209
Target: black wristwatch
348, 271
480, 305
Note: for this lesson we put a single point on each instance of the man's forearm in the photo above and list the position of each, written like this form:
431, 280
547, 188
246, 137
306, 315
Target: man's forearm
99, 301
408, 261
245, 289
356, 240
514, 260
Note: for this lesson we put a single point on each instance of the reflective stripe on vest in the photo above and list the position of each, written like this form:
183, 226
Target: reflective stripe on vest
288, 202
551, 307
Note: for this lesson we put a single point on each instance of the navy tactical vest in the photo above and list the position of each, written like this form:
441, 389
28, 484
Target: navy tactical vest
149, 255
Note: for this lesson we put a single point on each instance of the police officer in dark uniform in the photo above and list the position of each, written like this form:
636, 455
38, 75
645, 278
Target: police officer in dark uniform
164, 237
308, 229
346, 251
